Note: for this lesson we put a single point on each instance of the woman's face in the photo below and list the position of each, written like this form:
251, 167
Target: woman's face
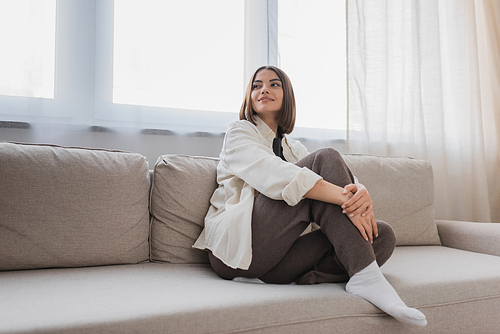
267, 94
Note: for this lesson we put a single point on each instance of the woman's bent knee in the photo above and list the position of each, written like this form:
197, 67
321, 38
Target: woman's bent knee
330, 164
328, 153
385, 230
385, 243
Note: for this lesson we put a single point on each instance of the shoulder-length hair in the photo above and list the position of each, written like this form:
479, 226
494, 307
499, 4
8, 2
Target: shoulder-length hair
286, 116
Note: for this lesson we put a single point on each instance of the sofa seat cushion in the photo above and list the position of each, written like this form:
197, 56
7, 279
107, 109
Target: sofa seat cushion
434, 274
448, 285
71, 207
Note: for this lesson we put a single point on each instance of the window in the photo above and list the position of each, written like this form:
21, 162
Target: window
172, 54
311, 49
176, 65
28, 48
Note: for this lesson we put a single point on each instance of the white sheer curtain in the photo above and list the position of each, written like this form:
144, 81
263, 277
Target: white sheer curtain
424, 82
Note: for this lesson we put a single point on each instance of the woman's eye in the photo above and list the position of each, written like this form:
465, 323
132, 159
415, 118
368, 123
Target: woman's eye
255, 86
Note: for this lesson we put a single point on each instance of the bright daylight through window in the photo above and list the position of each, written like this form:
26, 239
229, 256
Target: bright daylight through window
179, 54
172, 54
176, 65
27, 37
311, 46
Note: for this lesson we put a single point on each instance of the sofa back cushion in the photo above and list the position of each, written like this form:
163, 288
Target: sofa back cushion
401, 189
72, 207
180, 197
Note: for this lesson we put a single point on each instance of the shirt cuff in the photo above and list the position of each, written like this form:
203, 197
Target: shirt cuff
305, 180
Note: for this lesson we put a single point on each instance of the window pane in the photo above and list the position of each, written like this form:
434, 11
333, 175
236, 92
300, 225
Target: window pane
312, 50
27, 37
179, 54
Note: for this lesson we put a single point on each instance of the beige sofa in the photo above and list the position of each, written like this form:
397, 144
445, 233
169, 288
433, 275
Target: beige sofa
80, 254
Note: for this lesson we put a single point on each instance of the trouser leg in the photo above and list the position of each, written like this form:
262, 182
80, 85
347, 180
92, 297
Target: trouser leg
331, 270
276, 229
308, 251
351, 250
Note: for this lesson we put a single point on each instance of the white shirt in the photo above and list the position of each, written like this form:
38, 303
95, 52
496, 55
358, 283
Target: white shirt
248, 166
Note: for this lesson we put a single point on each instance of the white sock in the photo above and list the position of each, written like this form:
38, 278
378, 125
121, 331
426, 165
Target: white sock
248, 280
371, 285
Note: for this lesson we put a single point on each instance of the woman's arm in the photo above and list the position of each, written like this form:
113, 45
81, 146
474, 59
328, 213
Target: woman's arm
328, 192
353, 198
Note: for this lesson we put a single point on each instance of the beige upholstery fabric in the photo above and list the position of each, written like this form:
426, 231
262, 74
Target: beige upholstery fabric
458, 292
180, 197
71, 207
474, 237
402, 190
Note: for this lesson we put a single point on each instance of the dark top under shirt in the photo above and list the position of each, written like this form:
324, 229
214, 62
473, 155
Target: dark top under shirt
277, 149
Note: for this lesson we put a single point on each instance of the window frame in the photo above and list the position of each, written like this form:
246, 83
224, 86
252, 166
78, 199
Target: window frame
84, 75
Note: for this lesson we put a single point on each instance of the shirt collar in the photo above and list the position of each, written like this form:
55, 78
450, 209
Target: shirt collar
269, 134
264, 128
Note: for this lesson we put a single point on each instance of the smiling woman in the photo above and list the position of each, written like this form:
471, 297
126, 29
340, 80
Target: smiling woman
266, 199
270, 82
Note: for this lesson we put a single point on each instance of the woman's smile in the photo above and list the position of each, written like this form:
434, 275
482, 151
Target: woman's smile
265, 99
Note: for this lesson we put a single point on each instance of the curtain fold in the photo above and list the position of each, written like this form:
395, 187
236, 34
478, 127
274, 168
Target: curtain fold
424, 82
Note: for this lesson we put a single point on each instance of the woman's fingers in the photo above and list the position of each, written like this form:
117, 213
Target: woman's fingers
373, 223
368, 210
360, 203
375, 226
352, 204
358, 211
361, 206
365, 227
362, 231
350, 188
368, 229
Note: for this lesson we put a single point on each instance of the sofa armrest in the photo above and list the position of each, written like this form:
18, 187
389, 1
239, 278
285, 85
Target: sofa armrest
474, 237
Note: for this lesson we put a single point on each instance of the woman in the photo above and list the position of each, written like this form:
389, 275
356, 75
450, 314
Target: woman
271, 189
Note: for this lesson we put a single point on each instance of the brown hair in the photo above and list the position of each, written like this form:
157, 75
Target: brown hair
286, 116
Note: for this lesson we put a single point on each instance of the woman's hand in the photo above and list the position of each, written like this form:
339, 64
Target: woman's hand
360, 203
366, 225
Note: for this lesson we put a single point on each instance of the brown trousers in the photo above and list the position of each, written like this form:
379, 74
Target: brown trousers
332, 254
